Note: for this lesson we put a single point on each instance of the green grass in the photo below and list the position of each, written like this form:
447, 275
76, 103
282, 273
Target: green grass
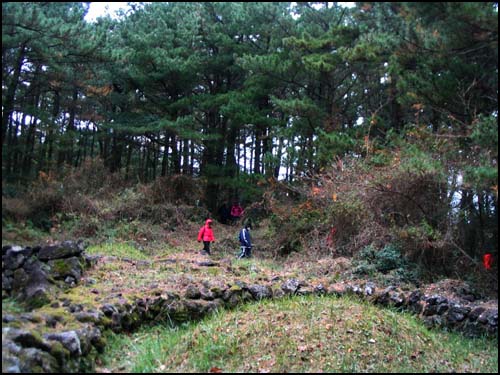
121, 250
301, 334
22, 234
11, 306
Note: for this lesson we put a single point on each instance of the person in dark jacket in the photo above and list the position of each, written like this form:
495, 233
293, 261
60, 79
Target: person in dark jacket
245, 242
206, 234
224, 214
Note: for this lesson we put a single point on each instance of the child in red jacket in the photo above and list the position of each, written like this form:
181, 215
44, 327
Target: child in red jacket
206, 234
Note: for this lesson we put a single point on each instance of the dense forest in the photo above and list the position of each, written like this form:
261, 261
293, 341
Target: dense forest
361, 140
316, 98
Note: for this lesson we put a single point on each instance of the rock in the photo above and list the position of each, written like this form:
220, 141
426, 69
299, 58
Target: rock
7, 282
15, 257
6, 248
434, 304
218, 291
241, 284
305, 291
320, 289
207, 294
89, 317
38, 296
19, 283
68, 339
414, 297
192, 292
354, 289
87, 336
196, 309
10, 364
70, 280
369, 289
278, 293
435, 300
475, 313
62, 268
91, 260
207, 263
490, 317
457, 313
36, 360
32, 283
290, 286
175, 311
75, 307
51, 321
383, 297
59, 352
108, 309
31, 318
26, 339
64, 250
7, 318
90, 281
442, 308
397, 299
433, 321
260, 291
116, 322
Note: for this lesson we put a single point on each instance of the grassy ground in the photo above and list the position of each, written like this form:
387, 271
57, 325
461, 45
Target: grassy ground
301, 334
169, 266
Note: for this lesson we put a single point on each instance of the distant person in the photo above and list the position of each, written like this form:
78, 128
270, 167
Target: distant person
487, 261
224, 214
236, 212
245, 242
206, 234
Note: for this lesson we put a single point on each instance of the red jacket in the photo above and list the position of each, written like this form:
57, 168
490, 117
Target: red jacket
236, 210
487, 261
206, 233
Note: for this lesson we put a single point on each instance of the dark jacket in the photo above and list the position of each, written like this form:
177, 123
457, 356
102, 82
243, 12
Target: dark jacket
244, 237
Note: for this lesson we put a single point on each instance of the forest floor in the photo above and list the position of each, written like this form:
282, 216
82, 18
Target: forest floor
125, 272
304, 334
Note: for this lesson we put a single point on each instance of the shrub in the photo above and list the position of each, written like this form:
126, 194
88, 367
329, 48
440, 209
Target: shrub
416, 161
15, 208
389, 258
388, 261
174, 189
92, 178
380, 158
349, 216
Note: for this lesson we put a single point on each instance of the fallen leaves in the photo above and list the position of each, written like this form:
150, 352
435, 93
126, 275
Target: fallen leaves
303, 348
266, 366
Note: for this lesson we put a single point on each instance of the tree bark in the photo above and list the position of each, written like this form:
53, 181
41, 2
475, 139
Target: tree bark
8, 102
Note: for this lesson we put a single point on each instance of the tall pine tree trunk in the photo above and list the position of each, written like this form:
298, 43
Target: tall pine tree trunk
8, 102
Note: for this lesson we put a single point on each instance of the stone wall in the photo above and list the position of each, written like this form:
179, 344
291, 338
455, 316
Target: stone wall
34, 342
31, 274
31, 341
